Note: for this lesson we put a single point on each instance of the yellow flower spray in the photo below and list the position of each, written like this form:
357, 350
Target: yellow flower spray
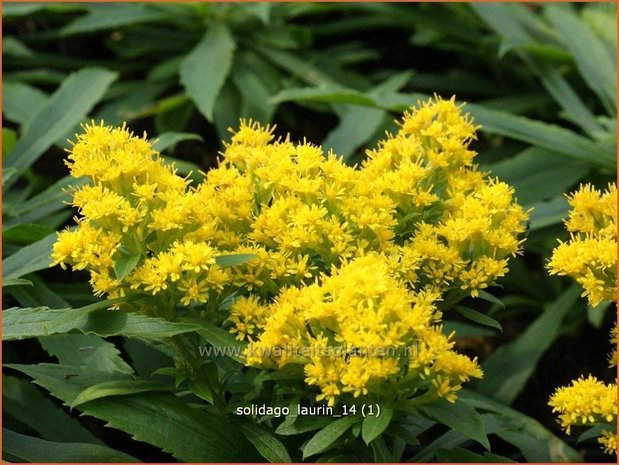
355, 258
590, 257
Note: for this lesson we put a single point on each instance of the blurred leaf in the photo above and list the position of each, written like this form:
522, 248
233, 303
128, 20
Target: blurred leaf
20, 102
261, 10
169, 139
538, 174
464, 330
295, 65
204, 71
325, 94
44, 204
478, 317
107, 16
25, 233
15, 47
21, 9
507, 370
38, 295
30, 258
358, 125
31, 449
548, 213
15, 282
9, 138
268, 445
65, 108
590, 56
459, 455
23, 401
255, 90
85, 350
569, 100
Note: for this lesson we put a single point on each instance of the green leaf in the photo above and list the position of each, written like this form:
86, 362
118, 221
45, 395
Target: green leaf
375, 425
548, 213
591, 57
46, 203
564, 95
268, 445
9, 138
157, 418
459, 417
15, 47
459, 455
85, 350
547, 136
169, 139
204, 71
325, 94
538, 174
33, 257
23, 401
125, 265
31, 449
507, 370
108, 16
119, 387
15, 282
478, 317
23, 323
296, 65
38, 295
25, 233
328, 435
218, 337
234, 259
484, 295
595, 431
20, 102
21, 9
64, 109
302, 424
256, 81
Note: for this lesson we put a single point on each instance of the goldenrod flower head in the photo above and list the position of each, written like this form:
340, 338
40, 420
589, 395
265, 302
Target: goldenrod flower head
608, 440
354, 331
590, 256
585, 402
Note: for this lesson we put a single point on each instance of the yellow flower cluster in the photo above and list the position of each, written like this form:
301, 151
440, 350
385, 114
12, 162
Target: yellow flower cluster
590, 256
356, 331
353, 256
587, 402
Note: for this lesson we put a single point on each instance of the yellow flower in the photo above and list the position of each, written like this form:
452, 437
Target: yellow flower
585, 402
590, 256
